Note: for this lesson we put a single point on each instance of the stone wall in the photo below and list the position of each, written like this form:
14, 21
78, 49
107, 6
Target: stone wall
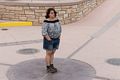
35, 12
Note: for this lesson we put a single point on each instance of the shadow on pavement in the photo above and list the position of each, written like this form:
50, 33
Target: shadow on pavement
68, 69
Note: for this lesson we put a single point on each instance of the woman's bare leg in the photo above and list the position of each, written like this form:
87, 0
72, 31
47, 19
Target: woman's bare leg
52, 56
49, 61
52, 60
48, 57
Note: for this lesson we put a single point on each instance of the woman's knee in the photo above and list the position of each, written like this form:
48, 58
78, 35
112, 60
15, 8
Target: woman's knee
49, 52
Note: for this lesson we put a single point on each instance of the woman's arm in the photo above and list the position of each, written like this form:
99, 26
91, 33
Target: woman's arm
60, 29
44, 31
47, 37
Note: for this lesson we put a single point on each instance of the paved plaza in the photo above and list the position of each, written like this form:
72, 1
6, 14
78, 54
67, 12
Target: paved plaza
89, 49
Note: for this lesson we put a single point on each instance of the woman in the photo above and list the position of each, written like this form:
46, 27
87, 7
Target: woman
51, 31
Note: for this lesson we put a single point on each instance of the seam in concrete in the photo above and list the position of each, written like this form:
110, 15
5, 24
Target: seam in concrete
20, 43
107, 26
98, 33
4, 64
104, 78
82, 46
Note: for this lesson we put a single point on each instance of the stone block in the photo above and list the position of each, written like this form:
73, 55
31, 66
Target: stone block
29, 12
23, 18
41, 11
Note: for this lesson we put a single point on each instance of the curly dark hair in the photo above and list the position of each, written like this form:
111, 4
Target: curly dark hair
48, 12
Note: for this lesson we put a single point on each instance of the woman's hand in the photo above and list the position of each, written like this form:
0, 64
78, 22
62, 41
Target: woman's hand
48, 38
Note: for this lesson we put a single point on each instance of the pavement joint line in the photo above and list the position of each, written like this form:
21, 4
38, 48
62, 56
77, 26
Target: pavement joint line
20, 42
82, 46
101, 78
4, 64
104, 78
107, 26
44, 76
98, 33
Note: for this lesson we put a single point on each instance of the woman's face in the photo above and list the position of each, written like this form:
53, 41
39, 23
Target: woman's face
52, 14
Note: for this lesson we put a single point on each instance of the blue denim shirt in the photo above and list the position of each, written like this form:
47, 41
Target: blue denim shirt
51, 28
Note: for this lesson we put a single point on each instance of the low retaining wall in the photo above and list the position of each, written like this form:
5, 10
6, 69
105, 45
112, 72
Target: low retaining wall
35, 12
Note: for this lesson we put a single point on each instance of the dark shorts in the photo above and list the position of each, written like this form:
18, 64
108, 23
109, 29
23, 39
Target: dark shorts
51, 45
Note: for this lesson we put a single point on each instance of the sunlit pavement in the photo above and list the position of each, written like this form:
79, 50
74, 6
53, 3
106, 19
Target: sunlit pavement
94, 40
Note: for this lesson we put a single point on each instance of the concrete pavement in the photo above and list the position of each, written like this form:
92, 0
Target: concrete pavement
77, 42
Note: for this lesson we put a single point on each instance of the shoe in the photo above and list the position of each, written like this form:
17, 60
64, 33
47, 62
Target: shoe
50, 70
52, 66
